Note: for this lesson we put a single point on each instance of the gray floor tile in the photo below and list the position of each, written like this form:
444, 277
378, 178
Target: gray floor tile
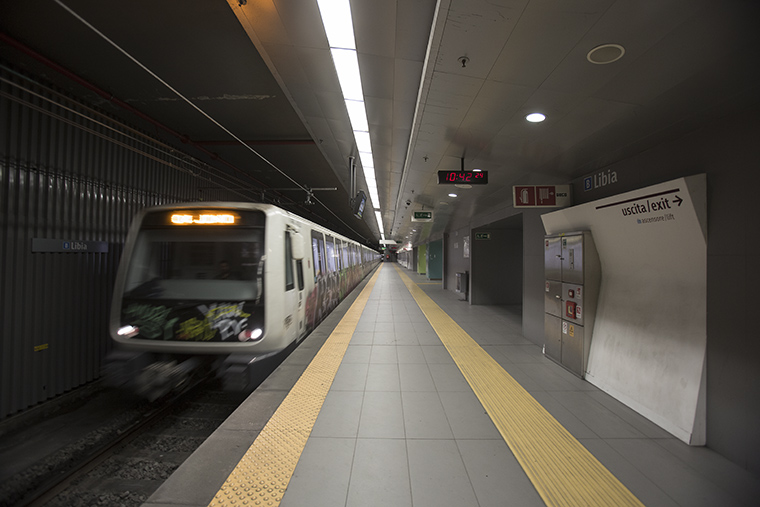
549, 377
357, 354
410, 354
384, 338
363, 337
424, 416
710, 465
638, 421
467, 417
437, 354
518, 373
681, 482
564, 416
524, 354
427, 338
382, 416
405, 337
350, 377
637, 483
496, 476
447, 377
415, 377
383, 354
380, 474
438, 475
339, 416
599, 419
383, 377
322, 474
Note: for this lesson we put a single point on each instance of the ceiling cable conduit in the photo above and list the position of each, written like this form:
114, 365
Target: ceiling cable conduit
183, 138
118, 102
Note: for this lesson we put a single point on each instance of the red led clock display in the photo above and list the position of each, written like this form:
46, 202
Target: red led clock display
462, 177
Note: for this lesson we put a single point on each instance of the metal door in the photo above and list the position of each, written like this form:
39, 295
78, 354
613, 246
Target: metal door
572, 259
553, 337
572, 303
572, 347
553, 297
553, 258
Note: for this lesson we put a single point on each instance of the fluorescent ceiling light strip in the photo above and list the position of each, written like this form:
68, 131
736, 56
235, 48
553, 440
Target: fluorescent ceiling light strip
347, 67
363, 143
374, 198
379, 216
338, 23
366, 158
357, 114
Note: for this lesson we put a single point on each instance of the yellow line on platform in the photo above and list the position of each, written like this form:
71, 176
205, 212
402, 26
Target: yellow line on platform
263, 474
563, 471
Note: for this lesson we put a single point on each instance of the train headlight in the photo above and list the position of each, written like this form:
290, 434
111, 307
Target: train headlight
128, 331
250, 334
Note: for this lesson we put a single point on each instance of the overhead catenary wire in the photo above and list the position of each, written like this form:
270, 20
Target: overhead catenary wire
198, 109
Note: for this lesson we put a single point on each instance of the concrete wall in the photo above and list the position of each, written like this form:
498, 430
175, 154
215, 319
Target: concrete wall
727, 152
497, 267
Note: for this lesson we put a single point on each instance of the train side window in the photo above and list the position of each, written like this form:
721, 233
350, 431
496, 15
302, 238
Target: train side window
317, 250
330, 254
299, 271
289, 283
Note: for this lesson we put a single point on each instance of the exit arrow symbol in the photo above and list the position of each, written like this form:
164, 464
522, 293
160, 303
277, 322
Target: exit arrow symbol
678, 200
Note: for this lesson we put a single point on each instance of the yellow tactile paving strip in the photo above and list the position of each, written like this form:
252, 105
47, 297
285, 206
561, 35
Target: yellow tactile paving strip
563, 471
263, 474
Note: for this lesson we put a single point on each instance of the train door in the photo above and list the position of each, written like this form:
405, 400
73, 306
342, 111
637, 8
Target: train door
299, 253
290, 300
294, 280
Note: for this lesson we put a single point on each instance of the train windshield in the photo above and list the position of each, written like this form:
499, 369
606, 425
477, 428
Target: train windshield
197, 263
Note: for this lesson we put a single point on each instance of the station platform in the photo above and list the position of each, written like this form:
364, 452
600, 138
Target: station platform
407, 396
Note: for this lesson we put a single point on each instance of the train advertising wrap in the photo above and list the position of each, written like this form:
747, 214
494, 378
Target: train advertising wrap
198, 322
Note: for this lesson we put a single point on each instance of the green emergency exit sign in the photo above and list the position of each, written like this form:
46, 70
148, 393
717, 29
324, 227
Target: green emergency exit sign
422, 216
482, 235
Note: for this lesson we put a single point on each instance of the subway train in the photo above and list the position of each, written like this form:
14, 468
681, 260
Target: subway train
220, 286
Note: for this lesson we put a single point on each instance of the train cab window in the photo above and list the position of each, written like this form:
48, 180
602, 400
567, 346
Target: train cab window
196, 265
289, 282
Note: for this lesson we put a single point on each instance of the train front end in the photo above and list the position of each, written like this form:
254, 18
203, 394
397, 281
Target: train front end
190, 289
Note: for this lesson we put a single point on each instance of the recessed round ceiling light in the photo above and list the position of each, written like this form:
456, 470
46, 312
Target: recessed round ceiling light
452, 195
463, 185
606, 53
477, 170
535, 117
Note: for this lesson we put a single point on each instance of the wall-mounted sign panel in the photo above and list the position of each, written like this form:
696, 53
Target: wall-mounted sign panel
650, 335
462, 177
422, 216
541, 196
483, 235
40, 245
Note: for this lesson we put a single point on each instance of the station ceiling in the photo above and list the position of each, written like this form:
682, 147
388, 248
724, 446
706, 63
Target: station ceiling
447, 84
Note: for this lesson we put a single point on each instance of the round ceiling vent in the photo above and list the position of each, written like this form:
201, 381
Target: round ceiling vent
606, 53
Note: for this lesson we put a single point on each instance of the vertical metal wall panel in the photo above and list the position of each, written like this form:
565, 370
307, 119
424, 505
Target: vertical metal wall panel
62, 176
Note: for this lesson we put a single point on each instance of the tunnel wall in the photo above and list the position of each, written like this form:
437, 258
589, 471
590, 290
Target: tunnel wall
70, 174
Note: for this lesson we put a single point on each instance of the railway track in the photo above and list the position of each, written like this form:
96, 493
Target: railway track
128, 460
